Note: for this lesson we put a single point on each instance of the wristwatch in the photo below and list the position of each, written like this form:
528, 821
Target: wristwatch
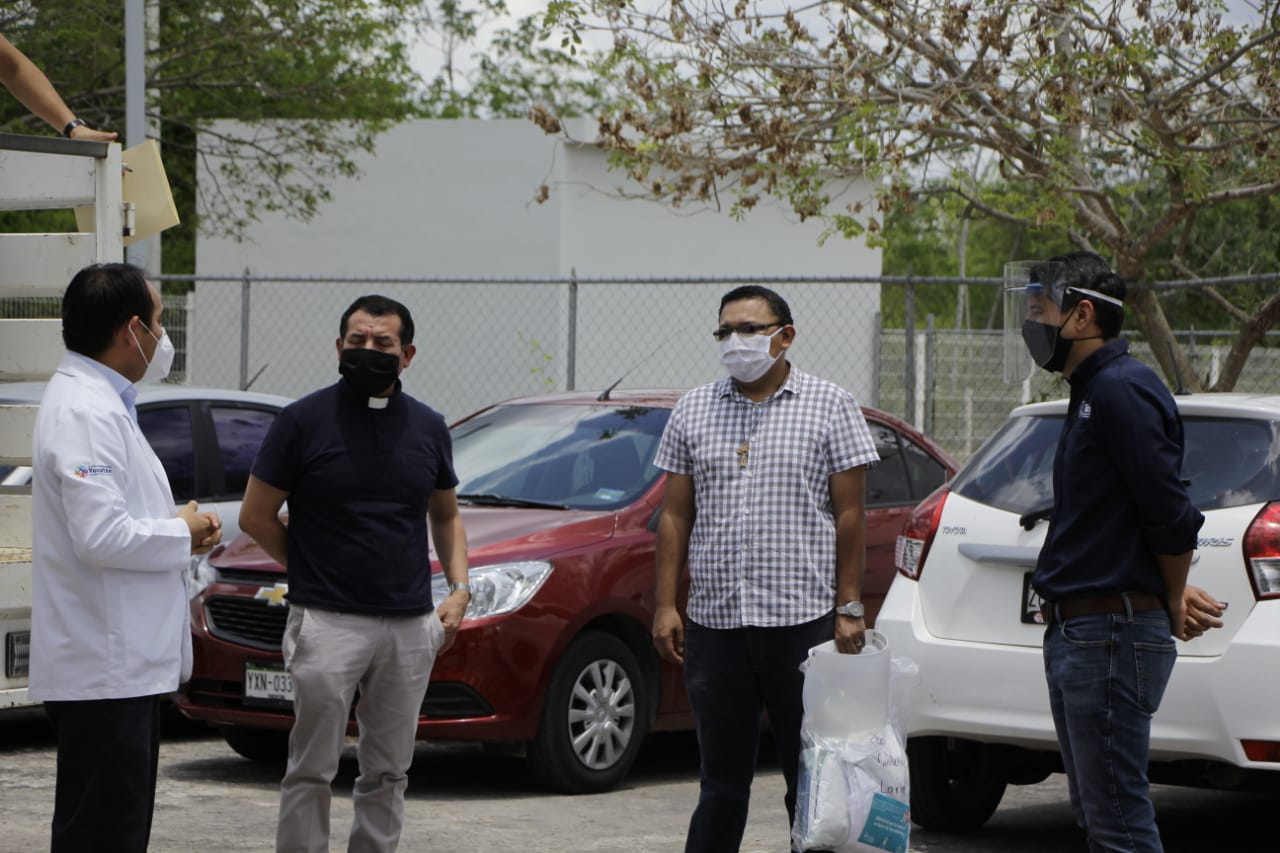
454, 587
72, 125
852, 609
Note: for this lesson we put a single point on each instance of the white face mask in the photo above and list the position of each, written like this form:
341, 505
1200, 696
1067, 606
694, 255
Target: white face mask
747, 359
161, 361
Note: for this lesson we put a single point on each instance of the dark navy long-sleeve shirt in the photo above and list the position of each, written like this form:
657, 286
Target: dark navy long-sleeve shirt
1118, 493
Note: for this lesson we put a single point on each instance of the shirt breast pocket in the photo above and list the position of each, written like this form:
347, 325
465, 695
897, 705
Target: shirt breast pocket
416, 472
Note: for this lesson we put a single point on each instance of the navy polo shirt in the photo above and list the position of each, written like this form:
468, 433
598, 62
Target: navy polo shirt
1117, 485
358, 480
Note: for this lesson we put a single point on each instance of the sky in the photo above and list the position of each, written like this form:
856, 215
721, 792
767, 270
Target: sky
429, 56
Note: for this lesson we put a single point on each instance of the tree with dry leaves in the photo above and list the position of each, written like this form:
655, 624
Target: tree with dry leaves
1125, 124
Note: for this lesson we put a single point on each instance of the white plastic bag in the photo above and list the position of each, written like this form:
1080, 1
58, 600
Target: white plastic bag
852, 794
853, 791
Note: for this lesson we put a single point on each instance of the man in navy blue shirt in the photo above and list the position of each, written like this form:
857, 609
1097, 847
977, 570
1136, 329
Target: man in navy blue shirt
364, 468
1113, 568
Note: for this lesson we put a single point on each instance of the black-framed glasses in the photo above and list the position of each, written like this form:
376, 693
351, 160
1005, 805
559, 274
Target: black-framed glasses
743, 330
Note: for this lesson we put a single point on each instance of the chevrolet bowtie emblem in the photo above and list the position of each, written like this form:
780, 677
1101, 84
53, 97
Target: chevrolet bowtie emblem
274, 595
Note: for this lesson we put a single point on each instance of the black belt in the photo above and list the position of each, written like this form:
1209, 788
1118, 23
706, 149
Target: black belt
1091, 605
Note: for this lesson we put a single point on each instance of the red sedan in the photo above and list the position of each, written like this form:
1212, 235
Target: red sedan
560, 500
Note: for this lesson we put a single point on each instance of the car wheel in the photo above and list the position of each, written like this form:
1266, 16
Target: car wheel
955, 785
594, 717
266, 746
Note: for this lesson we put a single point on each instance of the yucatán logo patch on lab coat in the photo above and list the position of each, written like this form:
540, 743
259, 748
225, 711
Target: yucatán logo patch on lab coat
83, 471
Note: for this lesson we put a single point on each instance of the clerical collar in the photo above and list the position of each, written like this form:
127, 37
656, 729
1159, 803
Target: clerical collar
379, 402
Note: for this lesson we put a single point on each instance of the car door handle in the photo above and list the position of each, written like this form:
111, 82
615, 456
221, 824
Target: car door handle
1018, 556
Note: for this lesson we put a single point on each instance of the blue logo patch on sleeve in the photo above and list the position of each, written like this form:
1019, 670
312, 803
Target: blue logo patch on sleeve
83, 471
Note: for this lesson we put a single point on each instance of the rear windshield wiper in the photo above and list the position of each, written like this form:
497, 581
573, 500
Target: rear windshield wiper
501, 500
1028, 520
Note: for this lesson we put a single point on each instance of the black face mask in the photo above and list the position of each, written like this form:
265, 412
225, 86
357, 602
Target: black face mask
369, 371
1047, 346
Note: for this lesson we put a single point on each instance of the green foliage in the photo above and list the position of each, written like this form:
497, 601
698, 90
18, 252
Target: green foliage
299, 64
922, 238
1233, 239
541, 369
320, 79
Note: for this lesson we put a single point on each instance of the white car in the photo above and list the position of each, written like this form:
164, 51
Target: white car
962, 608
206, 439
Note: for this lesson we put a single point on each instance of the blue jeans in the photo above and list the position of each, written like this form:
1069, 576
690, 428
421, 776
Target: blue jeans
730, 675
1106, 675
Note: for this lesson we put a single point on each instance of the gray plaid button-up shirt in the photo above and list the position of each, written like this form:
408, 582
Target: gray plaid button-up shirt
763, 547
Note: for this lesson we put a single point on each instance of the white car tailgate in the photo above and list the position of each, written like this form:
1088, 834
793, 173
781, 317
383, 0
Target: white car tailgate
975, 580
980, 556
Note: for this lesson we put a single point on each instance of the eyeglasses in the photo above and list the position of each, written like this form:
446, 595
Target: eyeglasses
745, 330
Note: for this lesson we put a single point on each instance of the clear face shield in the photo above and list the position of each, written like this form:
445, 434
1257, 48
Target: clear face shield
1032, 313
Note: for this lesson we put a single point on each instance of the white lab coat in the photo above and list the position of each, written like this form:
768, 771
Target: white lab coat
109, 613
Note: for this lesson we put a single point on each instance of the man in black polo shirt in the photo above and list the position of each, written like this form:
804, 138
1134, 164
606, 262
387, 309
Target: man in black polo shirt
1113, 568
364, 467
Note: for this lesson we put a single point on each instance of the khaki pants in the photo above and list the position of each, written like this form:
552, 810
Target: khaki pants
330, 655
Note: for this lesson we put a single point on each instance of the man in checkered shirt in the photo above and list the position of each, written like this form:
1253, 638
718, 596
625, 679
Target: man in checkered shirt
764, 504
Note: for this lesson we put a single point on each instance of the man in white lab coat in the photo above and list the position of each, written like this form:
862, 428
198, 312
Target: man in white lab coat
109, 630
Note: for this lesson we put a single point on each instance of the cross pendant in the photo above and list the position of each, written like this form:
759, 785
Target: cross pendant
741, 450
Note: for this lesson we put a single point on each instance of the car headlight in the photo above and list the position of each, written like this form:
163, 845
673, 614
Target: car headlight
497, 589
202, 574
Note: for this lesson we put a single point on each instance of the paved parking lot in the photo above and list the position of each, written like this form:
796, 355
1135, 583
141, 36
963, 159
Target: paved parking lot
463, 800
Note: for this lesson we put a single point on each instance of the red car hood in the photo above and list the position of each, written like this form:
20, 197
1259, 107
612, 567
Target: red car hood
494, 534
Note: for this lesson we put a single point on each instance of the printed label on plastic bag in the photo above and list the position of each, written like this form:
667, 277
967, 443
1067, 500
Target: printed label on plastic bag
888, 825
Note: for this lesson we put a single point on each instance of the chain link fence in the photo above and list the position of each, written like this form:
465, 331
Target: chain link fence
481, 341
961, 397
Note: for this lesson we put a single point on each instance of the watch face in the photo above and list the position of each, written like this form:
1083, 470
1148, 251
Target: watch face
853, 609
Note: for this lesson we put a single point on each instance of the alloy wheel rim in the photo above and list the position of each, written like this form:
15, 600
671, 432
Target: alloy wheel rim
602, 714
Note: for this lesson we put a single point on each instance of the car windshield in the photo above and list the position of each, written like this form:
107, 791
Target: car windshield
571, 456
1227, 462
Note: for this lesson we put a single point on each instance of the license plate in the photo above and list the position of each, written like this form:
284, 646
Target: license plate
17, 654
1030, 603
267, 685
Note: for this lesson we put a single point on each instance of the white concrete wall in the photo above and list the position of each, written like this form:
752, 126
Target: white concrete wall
456, 198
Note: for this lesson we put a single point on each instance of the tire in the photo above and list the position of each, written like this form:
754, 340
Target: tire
955, 784
594, 718
265, 746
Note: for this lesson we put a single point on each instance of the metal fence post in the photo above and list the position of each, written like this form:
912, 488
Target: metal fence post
571, 345
244, 330
876, 356
909, 355
929, 378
